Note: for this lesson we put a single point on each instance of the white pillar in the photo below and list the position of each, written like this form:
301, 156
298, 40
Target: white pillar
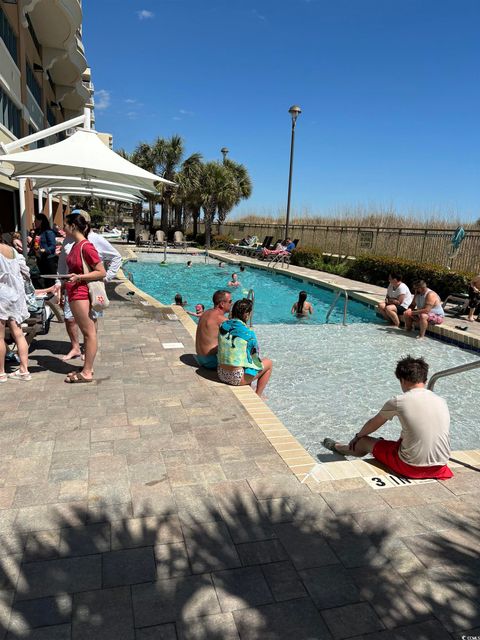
23, 215
40, 200
50, 208
88, 118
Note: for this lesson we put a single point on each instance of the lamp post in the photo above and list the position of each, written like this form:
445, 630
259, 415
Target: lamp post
294, 111
224, 152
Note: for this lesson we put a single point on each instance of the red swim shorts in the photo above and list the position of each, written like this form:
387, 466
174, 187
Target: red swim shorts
386, 451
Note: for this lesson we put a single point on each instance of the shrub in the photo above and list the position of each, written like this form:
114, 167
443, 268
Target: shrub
375, 270
222, 241
216, 242
312, 258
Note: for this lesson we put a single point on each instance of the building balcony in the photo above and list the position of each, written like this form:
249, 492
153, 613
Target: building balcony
55, 22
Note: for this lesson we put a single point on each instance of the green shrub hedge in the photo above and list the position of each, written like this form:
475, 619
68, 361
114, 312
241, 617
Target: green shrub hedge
375, 270
216, 241
312, 258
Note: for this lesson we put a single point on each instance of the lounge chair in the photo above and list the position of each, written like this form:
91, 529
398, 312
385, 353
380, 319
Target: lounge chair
143, 237
159, 239
253, 251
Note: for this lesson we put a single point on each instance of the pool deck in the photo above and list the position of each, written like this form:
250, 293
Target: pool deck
151, 504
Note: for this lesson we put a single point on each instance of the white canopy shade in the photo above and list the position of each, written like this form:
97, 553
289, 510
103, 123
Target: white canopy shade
82, 155
108, 195
48, 182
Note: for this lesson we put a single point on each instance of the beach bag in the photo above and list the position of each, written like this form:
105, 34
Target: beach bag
96, 289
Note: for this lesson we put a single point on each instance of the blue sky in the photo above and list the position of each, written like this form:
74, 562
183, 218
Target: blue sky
390, 93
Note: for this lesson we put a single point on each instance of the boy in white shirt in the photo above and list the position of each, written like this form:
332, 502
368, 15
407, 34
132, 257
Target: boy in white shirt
397, 300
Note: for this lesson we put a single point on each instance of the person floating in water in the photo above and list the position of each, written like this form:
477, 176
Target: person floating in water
234, 282
302, 308
423, 449
189, 264
199, 309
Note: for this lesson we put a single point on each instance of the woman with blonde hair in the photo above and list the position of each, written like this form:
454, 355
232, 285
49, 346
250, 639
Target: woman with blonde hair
82, 253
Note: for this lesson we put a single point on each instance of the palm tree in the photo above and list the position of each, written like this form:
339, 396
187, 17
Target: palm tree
243, 189
218, 190
186, 199
167, 155
138, 157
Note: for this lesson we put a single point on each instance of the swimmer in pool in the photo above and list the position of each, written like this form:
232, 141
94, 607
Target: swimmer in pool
302, 308
234, 282
199, 309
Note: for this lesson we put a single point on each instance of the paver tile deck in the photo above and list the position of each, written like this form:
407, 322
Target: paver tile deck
150, 504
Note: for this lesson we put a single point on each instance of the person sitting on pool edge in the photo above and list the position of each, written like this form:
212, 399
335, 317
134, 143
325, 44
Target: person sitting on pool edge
423, 449
302, 308
397, 300
425, 309
206, 339
234, 282
238, 360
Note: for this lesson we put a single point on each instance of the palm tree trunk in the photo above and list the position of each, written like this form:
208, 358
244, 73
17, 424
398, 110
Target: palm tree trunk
195, 217
164, 219
208, 228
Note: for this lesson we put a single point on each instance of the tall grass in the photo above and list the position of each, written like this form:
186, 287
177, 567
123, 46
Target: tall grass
360, 215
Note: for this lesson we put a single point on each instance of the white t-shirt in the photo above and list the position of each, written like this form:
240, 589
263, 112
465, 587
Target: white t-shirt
425, 421
108, 254
402, 289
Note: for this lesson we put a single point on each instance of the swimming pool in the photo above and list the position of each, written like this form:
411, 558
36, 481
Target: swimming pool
275, 293
328, 379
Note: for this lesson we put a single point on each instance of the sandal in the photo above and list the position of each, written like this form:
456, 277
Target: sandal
3, 377
20, 376
77, 377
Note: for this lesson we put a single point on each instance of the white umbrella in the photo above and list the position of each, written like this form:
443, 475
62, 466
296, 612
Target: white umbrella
82, 155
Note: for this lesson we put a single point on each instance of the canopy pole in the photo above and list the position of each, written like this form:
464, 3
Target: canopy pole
49, 207
41, 135
40, 201
87, 124
23, 215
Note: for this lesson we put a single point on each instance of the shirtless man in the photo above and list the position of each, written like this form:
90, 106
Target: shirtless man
206, 341
425, 309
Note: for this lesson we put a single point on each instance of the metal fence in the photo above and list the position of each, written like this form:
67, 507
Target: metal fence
431, 246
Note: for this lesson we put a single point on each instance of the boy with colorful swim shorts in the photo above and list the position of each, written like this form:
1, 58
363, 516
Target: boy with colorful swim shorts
423, 449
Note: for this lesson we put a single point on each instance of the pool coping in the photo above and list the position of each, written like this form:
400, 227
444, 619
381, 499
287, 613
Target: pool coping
300, 462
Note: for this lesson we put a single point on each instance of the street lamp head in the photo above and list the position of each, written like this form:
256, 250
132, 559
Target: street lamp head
224, 152
295, 111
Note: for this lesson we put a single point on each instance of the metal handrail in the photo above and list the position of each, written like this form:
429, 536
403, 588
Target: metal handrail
345, 305
251, 296
452, 371
206, 256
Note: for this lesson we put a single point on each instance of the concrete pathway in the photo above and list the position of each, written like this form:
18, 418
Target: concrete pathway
149, 505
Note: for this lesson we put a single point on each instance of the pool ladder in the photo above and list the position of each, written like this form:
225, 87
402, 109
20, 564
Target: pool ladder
251, 296
452, 371
345, 305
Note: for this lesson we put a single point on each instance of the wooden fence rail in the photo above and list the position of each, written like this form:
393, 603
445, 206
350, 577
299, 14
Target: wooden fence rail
422, 245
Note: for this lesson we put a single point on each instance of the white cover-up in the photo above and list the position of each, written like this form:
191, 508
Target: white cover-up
13, 302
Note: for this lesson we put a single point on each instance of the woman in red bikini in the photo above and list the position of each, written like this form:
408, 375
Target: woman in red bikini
76, 289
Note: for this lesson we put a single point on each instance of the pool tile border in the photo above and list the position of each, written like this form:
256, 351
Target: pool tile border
294, 455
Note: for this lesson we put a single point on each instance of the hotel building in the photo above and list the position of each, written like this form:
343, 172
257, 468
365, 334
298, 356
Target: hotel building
44, 80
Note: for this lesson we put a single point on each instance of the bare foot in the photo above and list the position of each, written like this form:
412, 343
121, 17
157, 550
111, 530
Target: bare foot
420, 338
71, 355
469, 319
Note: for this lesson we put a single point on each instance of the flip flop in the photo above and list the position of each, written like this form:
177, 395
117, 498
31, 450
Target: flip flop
457, 326
77, 377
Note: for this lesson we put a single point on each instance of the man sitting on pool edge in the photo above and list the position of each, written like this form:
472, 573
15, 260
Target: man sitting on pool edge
206, 339
423, 449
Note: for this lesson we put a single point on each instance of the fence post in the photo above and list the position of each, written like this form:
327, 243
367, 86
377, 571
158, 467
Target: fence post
423, 244
398, 243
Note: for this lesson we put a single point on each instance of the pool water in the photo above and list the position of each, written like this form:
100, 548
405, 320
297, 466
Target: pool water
329, 380
275, 293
